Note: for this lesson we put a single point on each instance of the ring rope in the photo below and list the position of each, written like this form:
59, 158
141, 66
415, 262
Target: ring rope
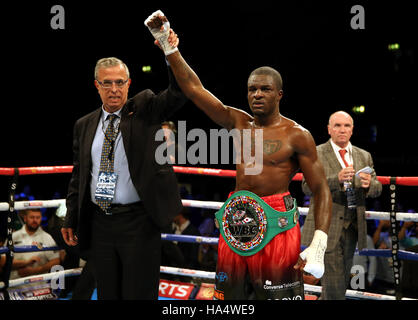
28, 248
356, 294
392, 181
307, 287
189, 273
215, 205
385, 180
189, 238
42, 277
402, 254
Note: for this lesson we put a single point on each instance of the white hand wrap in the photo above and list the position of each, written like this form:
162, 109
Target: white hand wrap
161, 36
314, 254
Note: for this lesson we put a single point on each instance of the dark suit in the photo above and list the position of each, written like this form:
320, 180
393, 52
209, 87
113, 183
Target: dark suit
346, 227
155, 184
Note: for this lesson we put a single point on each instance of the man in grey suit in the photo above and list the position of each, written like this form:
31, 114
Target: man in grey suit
348, 225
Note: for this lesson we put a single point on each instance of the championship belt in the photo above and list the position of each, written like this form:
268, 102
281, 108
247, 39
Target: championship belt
248, 223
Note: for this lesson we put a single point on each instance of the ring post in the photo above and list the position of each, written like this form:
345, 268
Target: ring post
396, 264
10, 253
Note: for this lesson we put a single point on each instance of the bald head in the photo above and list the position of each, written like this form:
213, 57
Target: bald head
340, 115
340, 128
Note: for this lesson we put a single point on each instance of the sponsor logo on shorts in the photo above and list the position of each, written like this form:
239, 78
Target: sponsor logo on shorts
283, 286
221, 276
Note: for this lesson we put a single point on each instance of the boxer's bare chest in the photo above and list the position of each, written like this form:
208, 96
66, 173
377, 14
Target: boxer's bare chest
278, 160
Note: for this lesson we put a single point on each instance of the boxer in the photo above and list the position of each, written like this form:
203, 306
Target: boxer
263, 246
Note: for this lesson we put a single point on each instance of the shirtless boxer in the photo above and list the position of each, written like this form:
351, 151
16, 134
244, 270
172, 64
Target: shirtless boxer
264, 252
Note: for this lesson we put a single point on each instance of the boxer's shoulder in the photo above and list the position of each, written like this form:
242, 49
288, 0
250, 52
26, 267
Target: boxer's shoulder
242, 119
295, 130
293, 125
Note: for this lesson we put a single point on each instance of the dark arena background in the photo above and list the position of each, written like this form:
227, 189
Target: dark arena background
326, 65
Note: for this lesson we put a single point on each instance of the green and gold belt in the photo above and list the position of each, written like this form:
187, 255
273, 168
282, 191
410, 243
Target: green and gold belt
248, 223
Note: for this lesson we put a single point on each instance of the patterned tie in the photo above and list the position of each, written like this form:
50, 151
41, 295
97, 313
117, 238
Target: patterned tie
108, 156
342, 154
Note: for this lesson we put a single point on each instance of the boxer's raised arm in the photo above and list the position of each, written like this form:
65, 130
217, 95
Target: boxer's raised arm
187, 79
191, 86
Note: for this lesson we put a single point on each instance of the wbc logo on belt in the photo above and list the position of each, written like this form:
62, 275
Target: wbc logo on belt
244, 223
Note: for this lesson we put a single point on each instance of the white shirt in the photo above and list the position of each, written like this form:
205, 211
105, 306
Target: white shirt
39, 238
180, 229
348, 155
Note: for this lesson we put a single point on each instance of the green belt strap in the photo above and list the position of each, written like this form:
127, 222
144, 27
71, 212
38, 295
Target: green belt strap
248, 223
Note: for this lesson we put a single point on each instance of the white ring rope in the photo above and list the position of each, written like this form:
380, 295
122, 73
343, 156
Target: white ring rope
307, 287
189, 273
215, 205
189, 238
23, 205
355, 294
42, 277
34, 204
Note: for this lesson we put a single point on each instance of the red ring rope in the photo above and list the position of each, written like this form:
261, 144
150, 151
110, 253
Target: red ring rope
36, 170
385, 180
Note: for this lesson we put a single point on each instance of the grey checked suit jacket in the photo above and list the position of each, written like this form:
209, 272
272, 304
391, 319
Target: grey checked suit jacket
361, 159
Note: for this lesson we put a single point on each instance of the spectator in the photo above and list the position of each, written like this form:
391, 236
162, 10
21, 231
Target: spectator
17, 263
171, 254
18, 218
408, 239
341, 160
32, 234
183, 226
408, 233
384, 281
409, 277
207, 253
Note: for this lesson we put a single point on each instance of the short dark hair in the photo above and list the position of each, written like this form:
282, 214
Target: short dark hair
26, 211
269, 71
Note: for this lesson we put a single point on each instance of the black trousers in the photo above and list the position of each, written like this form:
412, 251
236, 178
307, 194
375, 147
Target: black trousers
126, 252
86, 283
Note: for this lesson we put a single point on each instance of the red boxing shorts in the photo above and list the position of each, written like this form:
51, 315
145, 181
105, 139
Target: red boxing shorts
269, 273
